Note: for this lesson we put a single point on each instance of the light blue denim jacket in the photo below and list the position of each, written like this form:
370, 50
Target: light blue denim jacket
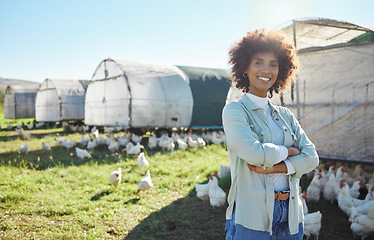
248, 136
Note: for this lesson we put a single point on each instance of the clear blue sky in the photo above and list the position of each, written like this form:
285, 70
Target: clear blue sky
68, 39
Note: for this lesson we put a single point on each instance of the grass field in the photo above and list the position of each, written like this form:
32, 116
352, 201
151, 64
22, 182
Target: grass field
55, 195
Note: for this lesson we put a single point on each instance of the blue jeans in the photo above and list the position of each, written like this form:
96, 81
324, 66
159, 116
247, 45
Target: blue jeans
279, 227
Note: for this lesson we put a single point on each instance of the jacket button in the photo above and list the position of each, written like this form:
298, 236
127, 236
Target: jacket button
293, 197
277, 119
285, 130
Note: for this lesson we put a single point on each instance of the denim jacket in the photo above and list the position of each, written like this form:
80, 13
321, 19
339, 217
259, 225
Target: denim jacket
249, 139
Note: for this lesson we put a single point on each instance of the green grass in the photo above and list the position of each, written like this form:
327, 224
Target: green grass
55, 195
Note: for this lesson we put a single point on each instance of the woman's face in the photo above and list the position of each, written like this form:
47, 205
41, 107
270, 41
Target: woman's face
262, 73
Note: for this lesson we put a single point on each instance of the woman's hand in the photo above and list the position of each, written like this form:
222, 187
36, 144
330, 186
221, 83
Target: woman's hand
258, 169
293, 151
276, 168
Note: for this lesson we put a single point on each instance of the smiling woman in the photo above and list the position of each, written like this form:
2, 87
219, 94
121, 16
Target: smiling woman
268, 150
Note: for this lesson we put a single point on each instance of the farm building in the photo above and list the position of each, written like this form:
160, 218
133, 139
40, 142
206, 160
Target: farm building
60, 100
209, 89
19, 101
333, 96
138, 95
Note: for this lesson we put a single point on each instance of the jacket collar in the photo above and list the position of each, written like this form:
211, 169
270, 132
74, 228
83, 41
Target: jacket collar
250, 105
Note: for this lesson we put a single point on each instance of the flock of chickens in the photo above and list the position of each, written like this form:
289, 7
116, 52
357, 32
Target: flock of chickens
130, 142
344, 186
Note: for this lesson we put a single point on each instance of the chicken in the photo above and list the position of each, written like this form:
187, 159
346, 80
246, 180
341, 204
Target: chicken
345, 201
332, 169
123, 140
167, 144
361, 224
84, 141
115, 177
129, 145
142, 161
331, 190
355, 189
30, 125
113, 145
135, 149
9, 127
303, 197
136, 139
25, 135
202, 190
312, 224
46, 146
152, 141
192, 143
223, 171
217, 197
61, 141
200, 142
324, 179
146, 182
182, 145
314, 190
25, 148
101, 141
70, 144
217, 138
92, 144
82, 153
86, 128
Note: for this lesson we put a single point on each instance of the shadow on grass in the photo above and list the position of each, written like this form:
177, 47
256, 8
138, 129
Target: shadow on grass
101, 194
185, 218
132, 201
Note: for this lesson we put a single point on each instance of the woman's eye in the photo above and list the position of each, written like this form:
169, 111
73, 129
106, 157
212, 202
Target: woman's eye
258, 63
274, 65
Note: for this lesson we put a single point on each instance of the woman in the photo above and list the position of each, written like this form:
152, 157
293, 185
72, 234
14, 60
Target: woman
268, 150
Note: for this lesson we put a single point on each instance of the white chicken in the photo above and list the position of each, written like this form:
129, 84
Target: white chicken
167, 144
331, 190
9, 127
314, 190
142, 161
115, 177
312, 224
30, 125
25, 148
182, 145
202, 190
92, 144
70, 144
217, 197
61, 141
355, 189
152, 141
101, 141
113, 145
146, 182
345, 201
84, 141
200, 142
136, 139
192, 143
46, 146
82, 153
218, 138
223, 171
362, 224
135, 149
